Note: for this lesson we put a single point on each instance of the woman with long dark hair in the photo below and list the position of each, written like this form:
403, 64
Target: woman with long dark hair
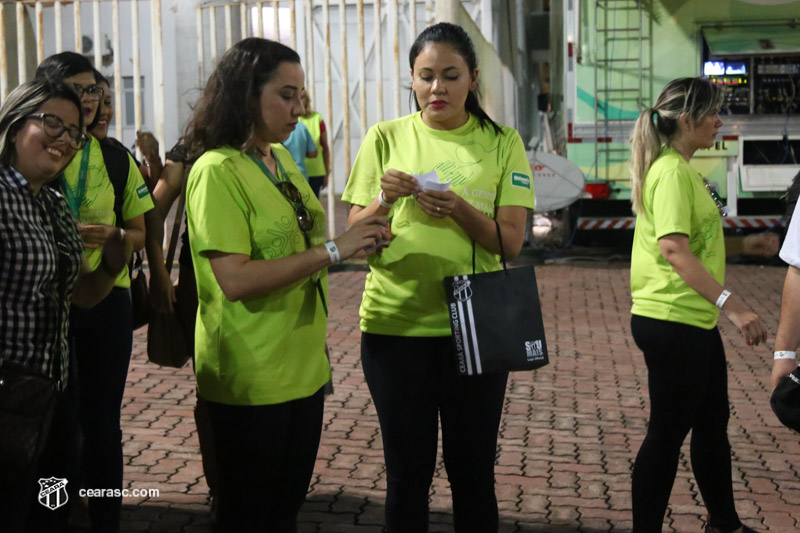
677, 276
257, 236
102, 198
406, 350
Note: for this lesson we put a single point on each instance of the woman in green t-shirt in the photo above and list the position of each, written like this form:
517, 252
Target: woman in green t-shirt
406, 350
102, 198
257, 236
677, 276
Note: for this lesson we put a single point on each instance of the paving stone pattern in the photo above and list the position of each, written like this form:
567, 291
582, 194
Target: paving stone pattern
568, 436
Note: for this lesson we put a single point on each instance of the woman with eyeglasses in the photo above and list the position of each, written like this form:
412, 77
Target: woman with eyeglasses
42, 270
677, 277
101, 199
257, 236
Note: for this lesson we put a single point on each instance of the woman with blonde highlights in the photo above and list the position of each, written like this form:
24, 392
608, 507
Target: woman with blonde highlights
677, 276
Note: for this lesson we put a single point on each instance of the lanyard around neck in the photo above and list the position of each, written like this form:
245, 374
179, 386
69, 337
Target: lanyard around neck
272, 177
75, 199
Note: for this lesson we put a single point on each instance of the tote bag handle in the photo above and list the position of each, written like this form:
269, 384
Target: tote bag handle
502, 251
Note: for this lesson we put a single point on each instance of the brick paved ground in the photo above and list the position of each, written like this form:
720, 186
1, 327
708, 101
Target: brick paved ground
567, 440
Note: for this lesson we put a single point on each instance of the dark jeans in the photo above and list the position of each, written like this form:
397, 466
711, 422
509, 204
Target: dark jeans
316, 184
19, 488
413, 382
103, 341
59, 459
265, 457
688, 384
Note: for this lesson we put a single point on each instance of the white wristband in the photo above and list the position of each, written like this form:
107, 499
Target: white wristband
383, 202
333, 252
723, 298
785, 354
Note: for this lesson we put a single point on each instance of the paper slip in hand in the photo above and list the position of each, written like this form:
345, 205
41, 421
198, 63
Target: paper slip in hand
430, 181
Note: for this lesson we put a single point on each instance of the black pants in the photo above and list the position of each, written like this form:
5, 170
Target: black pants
265, 455
688, 385
316, 184
413, 382
103, 338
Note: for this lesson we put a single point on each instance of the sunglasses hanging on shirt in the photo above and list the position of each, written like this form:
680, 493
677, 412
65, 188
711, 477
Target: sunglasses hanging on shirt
292, 194
721, 207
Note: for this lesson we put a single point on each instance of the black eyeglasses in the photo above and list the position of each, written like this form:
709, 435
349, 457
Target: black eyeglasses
92, 92
54, 127
304, 218
721, 207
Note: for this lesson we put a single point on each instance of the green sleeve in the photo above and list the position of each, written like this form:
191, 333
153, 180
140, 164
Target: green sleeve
516, 182
365, 179
137, 196
216, 210
673, 196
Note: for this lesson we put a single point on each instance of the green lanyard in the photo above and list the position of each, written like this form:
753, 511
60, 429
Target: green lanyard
75, 199
274, 179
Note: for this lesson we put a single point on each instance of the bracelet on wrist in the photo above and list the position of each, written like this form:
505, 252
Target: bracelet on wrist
785, 354
383, 202
723, 297
333, 252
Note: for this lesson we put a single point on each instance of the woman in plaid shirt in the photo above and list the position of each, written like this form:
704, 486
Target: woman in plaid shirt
41, 267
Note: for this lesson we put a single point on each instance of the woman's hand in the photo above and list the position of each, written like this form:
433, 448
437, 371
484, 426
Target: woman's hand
117, 249
95, 235
396, 184
364, 237
147, 143
438, 204
162, 291
747, 321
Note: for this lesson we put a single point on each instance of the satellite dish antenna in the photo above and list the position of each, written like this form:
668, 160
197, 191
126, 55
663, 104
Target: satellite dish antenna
557, 181
87, 44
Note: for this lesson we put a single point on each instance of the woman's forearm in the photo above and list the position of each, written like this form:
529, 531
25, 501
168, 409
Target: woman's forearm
481, 228
241, 278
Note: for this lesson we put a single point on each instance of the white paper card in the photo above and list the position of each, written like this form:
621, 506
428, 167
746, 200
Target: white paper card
430, 181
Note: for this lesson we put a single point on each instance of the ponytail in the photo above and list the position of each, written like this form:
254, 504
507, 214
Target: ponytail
645, 148
474, 108
696, 97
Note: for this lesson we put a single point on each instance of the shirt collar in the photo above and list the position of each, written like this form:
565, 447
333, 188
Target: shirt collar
13, 177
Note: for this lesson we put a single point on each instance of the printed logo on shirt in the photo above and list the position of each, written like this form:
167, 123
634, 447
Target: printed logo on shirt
518, 179
142, 191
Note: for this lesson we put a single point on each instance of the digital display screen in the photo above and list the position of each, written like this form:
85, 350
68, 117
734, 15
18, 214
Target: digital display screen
714, 68
736, 67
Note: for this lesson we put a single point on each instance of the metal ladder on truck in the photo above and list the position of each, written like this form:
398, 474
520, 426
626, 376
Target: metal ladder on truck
618, 78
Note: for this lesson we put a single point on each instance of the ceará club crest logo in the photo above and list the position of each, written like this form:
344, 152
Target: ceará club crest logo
53, 492
462, 290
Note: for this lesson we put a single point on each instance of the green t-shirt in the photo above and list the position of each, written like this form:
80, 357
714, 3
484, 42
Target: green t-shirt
314, 165
404, 292
97, 206
269, 349
675, 200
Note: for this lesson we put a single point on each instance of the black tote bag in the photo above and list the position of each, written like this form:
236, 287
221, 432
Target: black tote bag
496, 319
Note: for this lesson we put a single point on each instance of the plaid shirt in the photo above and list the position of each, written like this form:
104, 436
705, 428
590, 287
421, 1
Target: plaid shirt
34, 317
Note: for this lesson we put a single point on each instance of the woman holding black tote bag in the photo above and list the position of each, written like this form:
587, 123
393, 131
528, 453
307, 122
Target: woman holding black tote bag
406, 351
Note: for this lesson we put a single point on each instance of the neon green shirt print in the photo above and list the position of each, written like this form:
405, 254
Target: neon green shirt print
675, 200
404, 292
